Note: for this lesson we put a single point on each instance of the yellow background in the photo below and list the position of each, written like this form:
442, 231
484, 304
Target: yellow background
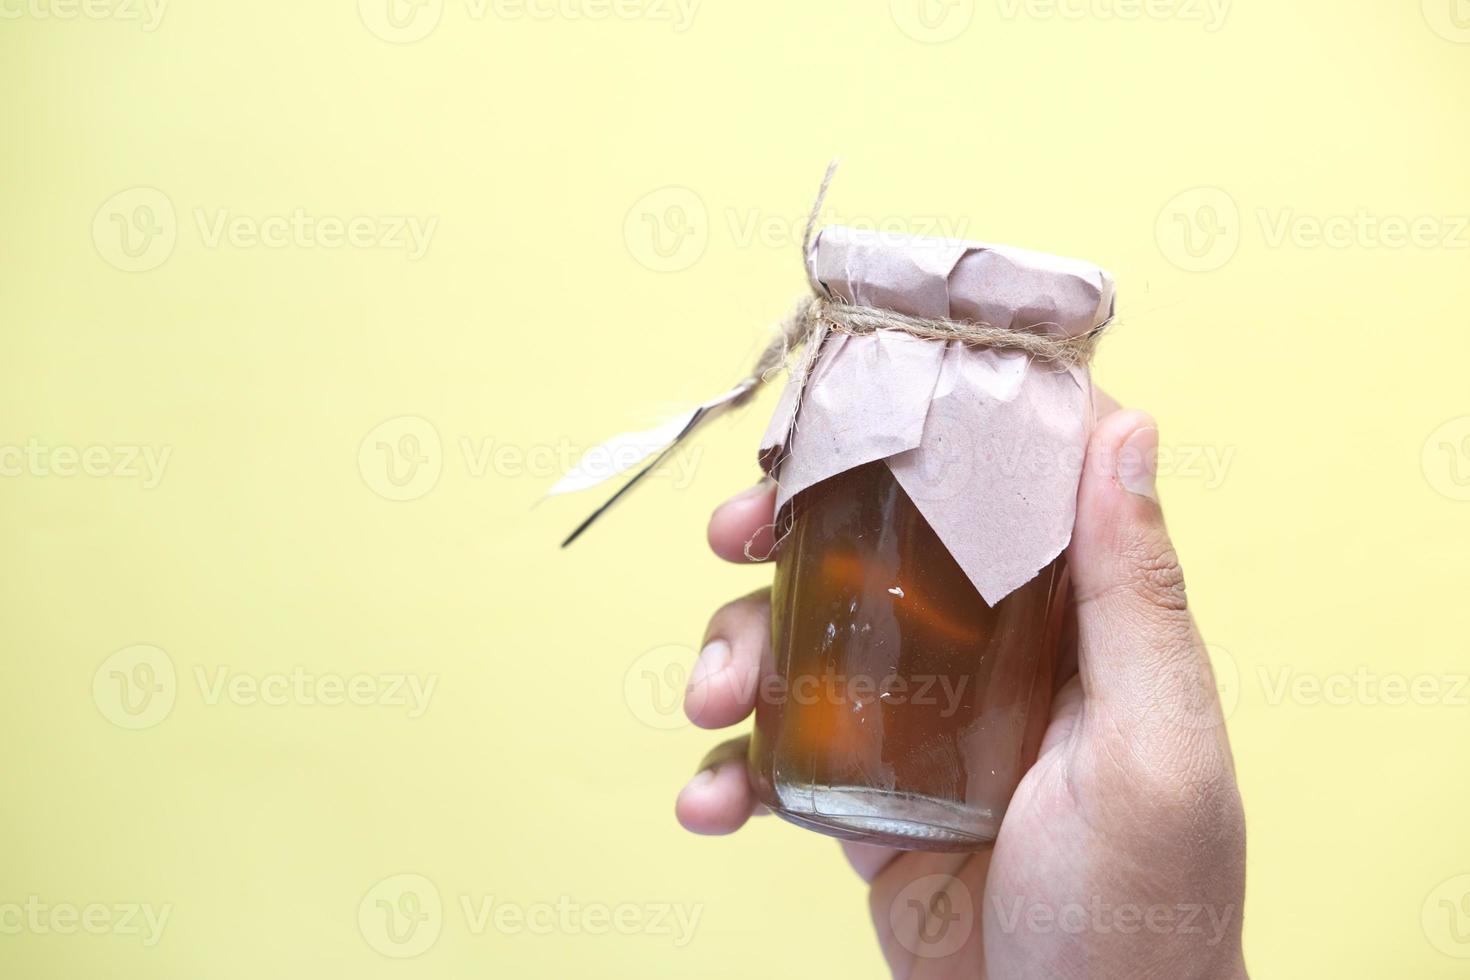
1327, 382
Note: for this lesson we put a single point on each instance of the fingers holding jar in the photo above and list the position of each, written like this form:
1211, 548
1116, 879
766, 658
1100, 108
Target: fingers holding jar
722, 685
742, 528
719, 799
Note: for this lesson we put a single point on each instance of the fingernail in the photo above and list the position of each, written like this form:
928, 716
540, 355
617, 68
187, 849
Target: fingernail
1138, 463
702, 778
714, 658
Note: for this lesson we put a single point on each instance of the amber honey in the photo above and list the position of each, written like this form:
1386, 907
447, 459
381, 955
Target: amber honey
898, 706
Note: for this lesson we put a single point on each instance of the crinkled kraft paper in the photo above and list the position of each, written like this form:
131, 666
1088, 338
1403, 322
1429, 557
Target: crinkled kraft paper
988, 444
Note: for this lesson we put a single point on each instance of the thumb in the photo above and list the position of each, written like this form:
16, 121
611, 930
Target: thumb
1138, 652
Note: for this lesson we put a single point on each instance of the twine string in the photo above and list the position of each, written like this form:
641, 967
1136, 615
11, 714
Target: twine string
816, 314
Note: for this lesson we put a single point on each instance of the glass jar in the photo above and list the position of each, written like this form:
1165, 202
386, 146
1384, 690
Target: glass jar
898, 707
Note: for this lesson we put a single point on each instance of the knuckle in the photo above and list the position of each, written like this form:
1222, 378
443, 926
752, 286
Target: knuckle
1156, 576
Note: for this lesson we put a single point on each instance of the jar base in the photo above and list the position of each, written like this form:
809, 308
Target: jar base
872, 816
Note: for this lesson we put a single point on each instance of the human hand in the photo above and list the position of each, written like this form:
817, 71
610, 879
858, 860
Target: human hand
1122, 853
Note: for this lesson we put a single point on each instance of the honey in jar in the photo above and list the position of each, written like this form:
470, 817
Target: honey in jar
899, 707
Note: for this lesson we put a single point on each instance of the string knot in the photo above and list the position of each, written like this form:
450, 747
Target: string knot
815, 315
